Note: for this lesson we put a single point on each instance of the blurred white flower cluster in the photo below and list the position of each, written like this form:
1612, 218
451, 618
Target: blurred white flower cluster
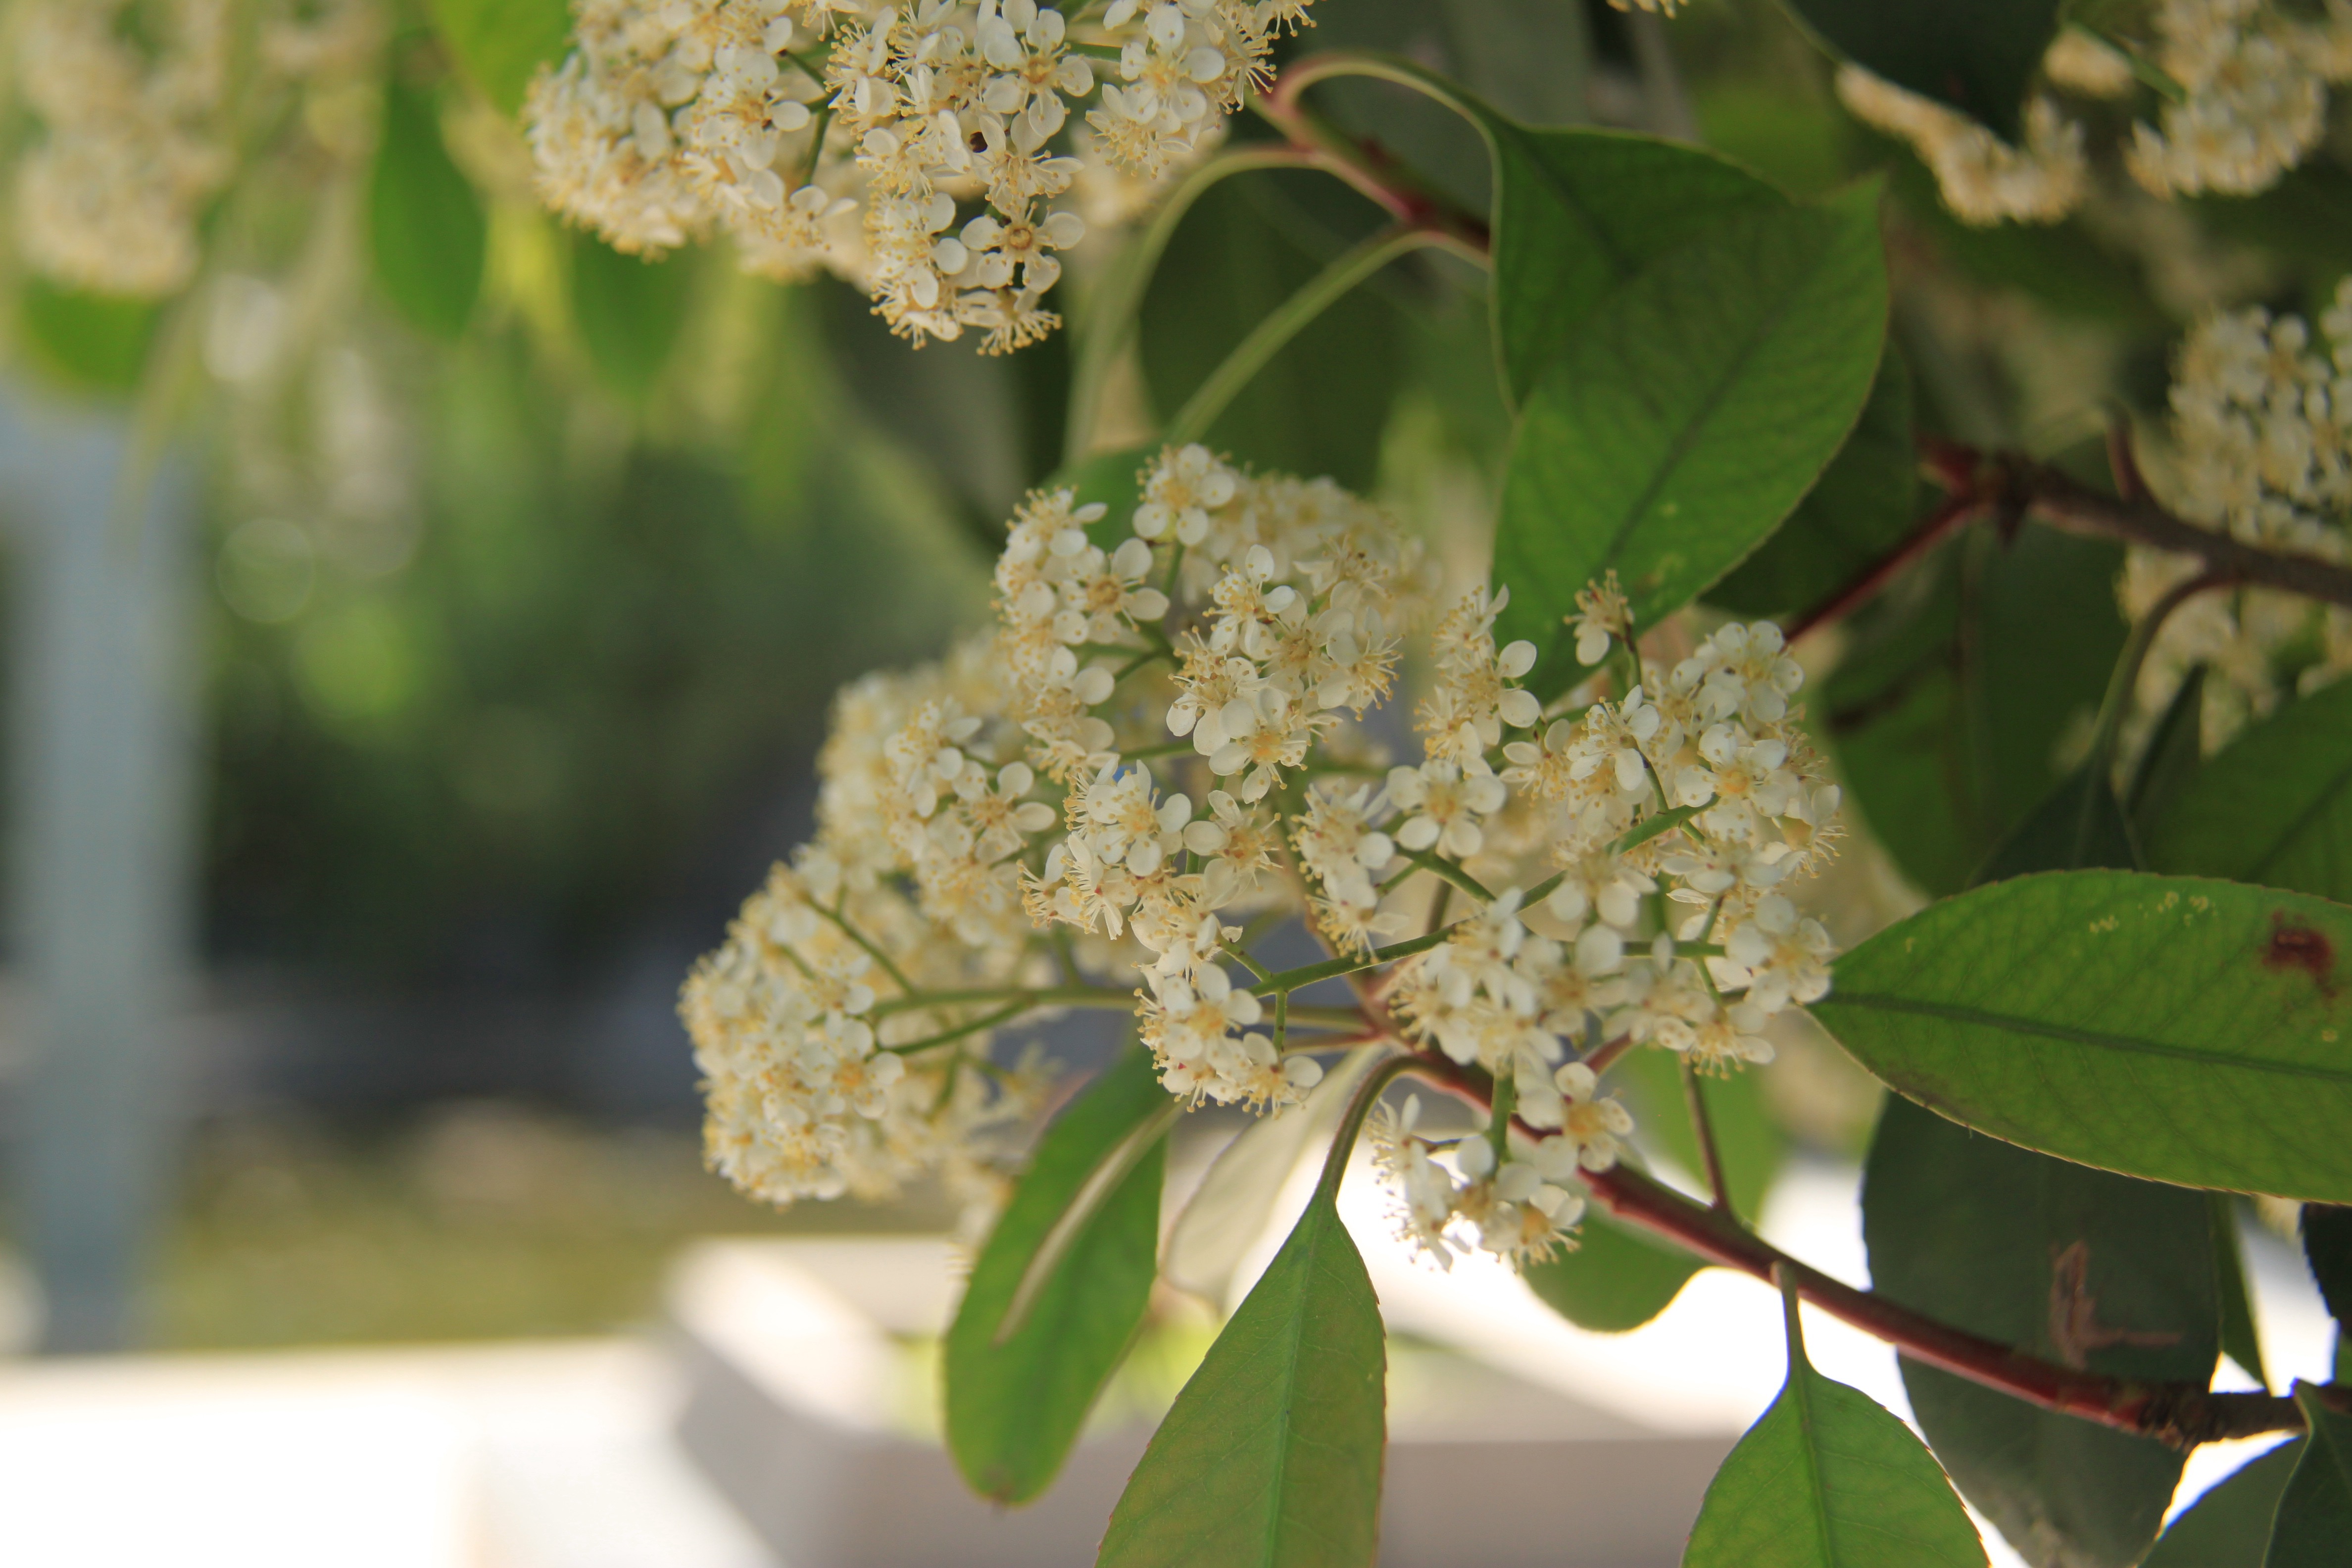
918, 150
2249, 85
138, 129
2262, 447
1166, 748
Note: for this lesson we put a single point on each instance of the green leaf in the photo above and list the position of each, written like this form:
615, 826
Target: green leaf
1826, 1478
1015, 1401
1578, 213
91, 342
2274, 807
1319, 405
1114, 478
1750, 1142
2175, 752
1977, 58
2314, 1512
2079, 825
1958, 688
1271, 1455
1699, 406
2327, 1248
629, 311
426, 226
1860, 509
2229, 1526
1615, 1281
2241, 1341
2025, 1250
2172, 1028
502, 43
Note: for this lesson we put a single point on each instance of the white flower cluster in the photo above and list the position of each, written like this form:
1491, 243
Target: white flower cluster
1453, 1200
1984, 180
947, 123
2252, 103
802, 1021
2255, 85
2262, 439
136, 133
1162, 747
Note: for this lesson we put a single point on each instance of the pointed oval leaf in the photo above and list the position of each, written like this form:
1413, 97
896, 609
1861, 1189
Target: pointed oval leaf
502, 43
1579, 212
1271, 1456
2313, 1525
2229, 1526
2172, 1028
1859, 508
425, 226
2274, 807
1699, 404
1827, 1479
1015, 1401
1995, 1239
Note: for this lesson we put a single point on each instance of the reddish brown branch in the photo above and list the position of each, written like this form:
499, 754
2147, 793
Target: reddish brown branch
2181, 1414
1951, 515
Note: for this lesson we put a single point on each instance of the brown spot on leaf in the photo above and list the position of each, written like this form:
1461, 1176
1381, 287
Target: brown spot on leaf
2293, 945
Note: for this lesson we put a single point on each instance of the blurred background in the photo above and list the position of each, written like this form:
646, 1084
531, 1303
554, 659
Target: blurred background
413, 654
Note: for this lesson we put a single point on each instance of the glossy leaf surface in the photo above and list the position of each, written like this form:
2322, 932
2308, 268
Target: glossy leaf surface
1015, 1401
2174, 1028
2078, 1266
1271, 1456
1701, 404
2229, 1526
2274, 807
1827, 1479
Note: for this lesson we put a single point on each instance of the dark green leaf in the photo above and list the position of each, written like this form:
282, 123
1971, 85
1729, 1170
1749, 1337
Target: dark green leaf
2241, 1341
1015, 1401
629, 311
1578, 213
501, 43
92, 342
2079, 824
1750, 1142
2314, 1524
1700, 404
2274, 807
1955, 694
2229, 1526
2172, 1028
1114, 478
2025, 1249
1320, 404
1826, 1478
425, 222
1615, 1281
1860, 509
1271, 1456
1977, 58
2327, 1248
2175, 751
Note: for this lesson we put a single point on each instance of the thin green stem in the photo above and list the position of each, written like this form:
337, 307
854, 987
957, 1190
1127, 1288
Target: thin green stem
1110, 312
1333, 968
988, 1021
872, 949
1703, 1129
1029, 995
1234, 952
1429, 860
1287, 320
1352, 1123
